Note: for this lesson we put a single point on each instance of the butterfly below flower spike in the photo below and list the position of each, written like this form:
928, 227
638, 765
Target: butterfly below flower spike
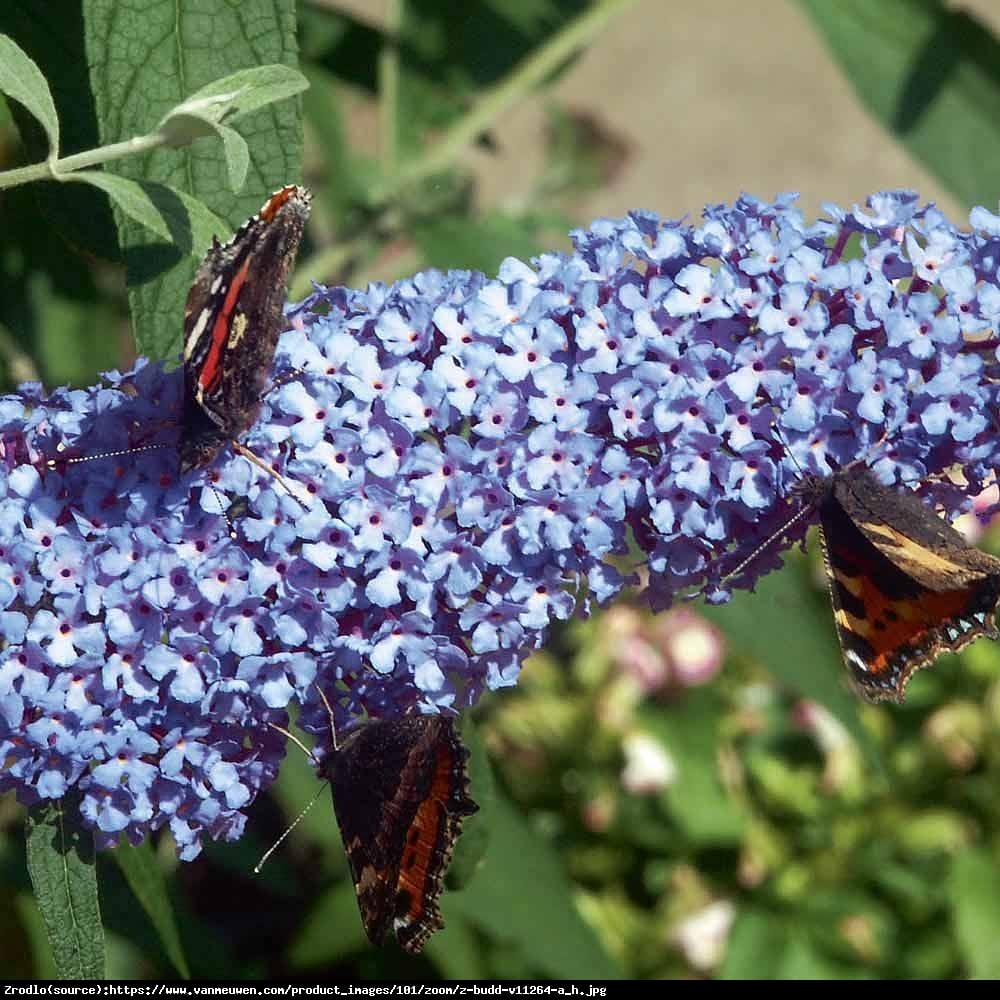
401, 793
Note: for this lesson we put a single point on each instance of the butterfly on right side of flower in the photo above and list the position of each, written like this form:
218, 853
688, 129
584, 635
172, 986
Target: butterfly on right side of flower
232, 321
401, 793
905, 585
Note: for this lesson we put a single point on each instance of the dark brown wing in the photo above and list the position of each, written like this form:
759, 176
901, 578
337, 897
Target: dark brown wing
905, 586
232, 322
911, 535
400, 792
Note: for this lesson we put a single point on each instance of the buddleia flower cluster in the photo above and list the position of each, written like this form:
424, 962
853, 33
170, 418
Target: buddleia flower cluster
464, 460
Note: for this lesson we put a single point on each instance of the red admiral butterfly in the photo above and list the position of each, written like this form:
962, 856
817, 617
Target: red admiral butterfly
232, 322
905, 585
400, 792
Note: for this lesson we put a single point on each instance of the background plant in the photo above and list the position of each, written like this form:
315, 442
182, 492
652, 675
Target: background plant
864, 846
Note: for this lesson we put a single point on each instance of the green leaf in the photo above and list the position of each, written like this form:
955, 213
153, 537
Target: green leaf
21, 79
805, 658
237, 95
931, 76
475, 838
172, 215
185, 128
521, 895
64, 877
65, 215
145, 878
974, 893
696, 799
171, 51
756, 944
332, 930
802, 960
458, 954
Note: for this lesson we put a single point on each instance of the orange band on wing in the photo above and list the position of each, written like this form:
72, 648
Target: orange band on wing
425, 839
268, 212
890, 627
211, 371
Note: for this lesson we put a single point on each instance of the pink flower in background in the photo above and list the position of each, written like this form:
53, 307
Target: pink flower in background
679, 649
695, 648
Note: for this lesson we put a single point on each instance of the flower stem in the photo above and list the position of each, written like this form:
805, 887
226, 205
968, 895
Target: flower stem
494, 102
388, 85
54, 170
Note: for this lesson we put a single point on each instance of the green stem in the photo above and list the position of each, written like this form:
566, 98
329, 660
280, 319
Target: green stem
53, 170
388, 86
494, 102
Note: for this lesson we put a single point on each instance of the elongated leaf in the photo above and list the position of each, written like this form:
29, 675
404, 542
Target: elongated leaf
53, 36
37, 954
64, 877
974, 892
21, 79
172, 215
801, 961
145, 878
168, 49
459, 953
931, 76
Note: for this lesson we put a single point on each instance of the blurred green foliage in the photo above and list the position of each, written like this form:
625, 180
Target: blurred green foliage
797, 832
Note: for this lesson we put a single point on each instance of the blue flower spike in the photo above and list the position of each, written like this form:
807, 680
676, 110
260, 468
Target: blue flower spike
478, 455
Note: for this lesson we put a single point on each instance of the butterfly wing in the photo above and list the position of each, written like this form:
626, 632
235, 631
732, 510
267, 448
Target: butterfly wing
431, 839
905, 586
232, 322
400, 792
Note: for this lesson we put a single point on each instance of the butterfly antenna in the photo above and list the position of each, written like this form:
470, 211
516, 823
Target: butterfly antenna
54, 463
288, 734
329, 711
295, 822
804, 511
788, 448
224, 512
241, 449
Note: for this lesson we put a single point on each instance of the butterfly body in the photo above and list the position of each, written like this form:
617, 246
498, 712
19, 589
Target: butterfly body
232, 321
400, 792
905, 585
